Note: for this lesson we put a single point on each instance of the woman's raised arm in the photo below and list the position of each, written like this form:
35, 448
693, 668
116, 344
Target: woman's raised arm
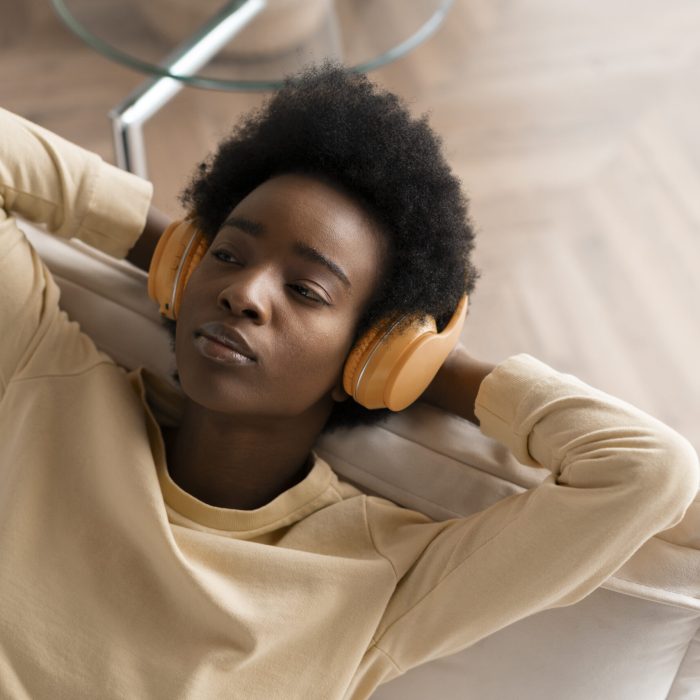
48, 180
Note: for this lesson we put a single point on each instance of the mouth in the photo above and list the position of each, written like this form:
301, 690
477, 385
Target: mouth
226, 335
220, 352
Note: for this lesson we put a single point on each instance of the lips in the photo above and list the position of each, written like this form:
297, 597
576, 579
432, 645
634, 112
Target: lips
227, 335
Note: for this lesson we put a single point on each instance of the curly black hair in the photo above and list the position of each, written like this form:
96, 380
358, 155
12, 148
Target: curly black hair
330, 122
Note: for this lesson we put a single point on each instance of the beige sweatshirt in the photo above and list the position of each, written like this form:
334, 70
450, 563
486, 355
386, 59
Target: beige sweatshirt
115, 583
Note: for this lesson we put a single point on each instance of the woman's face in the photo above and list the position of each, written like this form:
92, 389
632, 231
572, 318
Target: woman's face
264, 275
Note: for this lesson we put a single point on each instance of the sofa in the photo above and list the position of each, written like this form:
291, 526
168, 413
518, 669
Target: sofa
636, 637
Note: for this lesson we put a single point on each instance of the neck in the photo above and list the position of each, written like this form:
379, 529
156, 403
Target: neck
239, 462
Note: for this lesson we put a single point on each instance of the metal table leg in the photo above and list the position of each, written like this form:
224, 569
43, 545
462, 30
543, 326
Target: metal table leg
129, 116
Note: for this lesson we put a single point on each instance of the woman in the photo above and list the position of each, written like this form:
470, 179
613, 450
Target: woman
219, 556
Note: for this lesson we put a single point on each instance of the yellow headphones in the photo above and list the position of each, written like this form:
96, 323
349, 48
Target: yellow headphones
388, 367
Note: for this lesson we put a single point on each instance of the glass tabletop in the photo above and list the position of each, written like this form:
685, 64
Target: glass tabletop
250, 44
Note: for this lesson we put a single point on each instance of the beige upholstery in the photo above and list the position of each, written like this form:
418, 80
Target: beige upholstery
637, 637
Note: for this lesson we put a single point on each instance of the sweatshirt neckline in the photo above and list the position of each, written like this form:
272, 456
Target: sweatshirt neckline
289, 506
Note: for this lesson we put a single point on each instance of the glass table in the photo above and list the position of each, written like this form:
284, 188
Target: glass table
237, 45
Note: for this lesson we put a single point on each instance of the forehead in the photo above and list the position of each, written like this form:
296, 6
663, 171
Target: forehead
297, 198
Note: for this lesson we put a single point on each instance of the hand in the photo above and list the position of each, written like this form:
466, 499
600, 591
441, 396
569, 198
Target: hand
142, 251
456, 385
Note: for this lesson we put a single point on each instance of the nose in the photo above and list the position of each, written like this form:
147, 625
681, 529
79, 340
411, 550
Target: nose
248, 295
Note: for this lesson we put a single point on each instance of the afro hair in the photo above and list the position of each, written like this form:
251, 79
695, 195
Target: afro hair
330, 122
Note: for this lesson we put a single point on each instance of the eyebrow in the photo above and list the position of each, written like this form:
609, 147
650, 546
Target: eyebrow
304, 250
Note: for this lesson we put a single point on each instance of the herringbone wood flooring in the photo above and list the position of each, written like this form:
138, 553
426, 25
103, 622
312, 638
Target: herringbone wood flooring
574, 129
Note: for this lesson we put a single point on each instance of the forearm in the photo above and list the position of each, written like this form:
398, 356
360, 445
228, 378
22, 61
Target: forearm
456, 385
142, 251
48, 180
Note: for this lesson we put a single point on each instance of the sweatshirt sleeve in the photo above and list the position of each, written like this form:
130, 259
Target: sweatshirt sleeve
618, 477
74, 194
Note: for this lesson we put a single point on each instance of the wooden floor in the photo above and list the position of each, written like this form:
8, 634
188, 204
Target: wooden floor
574, 129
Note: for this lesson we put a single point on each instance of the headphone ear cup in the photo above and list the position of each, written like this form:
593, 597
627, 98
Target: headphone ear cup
376, 357
180, 249
393, 364
358, 357
189, 264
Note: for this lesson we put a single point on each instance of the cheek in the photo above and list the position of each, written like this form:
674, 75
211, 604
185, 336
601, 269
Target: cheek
319, 350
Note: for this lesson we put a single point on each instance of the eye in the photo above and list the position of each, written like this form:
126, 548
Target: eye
218, 253
302, 291
308, 294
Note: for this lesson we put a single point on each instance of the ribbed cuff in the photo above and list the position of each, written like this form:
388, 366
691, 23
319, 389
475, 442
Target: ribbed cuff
500, 401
